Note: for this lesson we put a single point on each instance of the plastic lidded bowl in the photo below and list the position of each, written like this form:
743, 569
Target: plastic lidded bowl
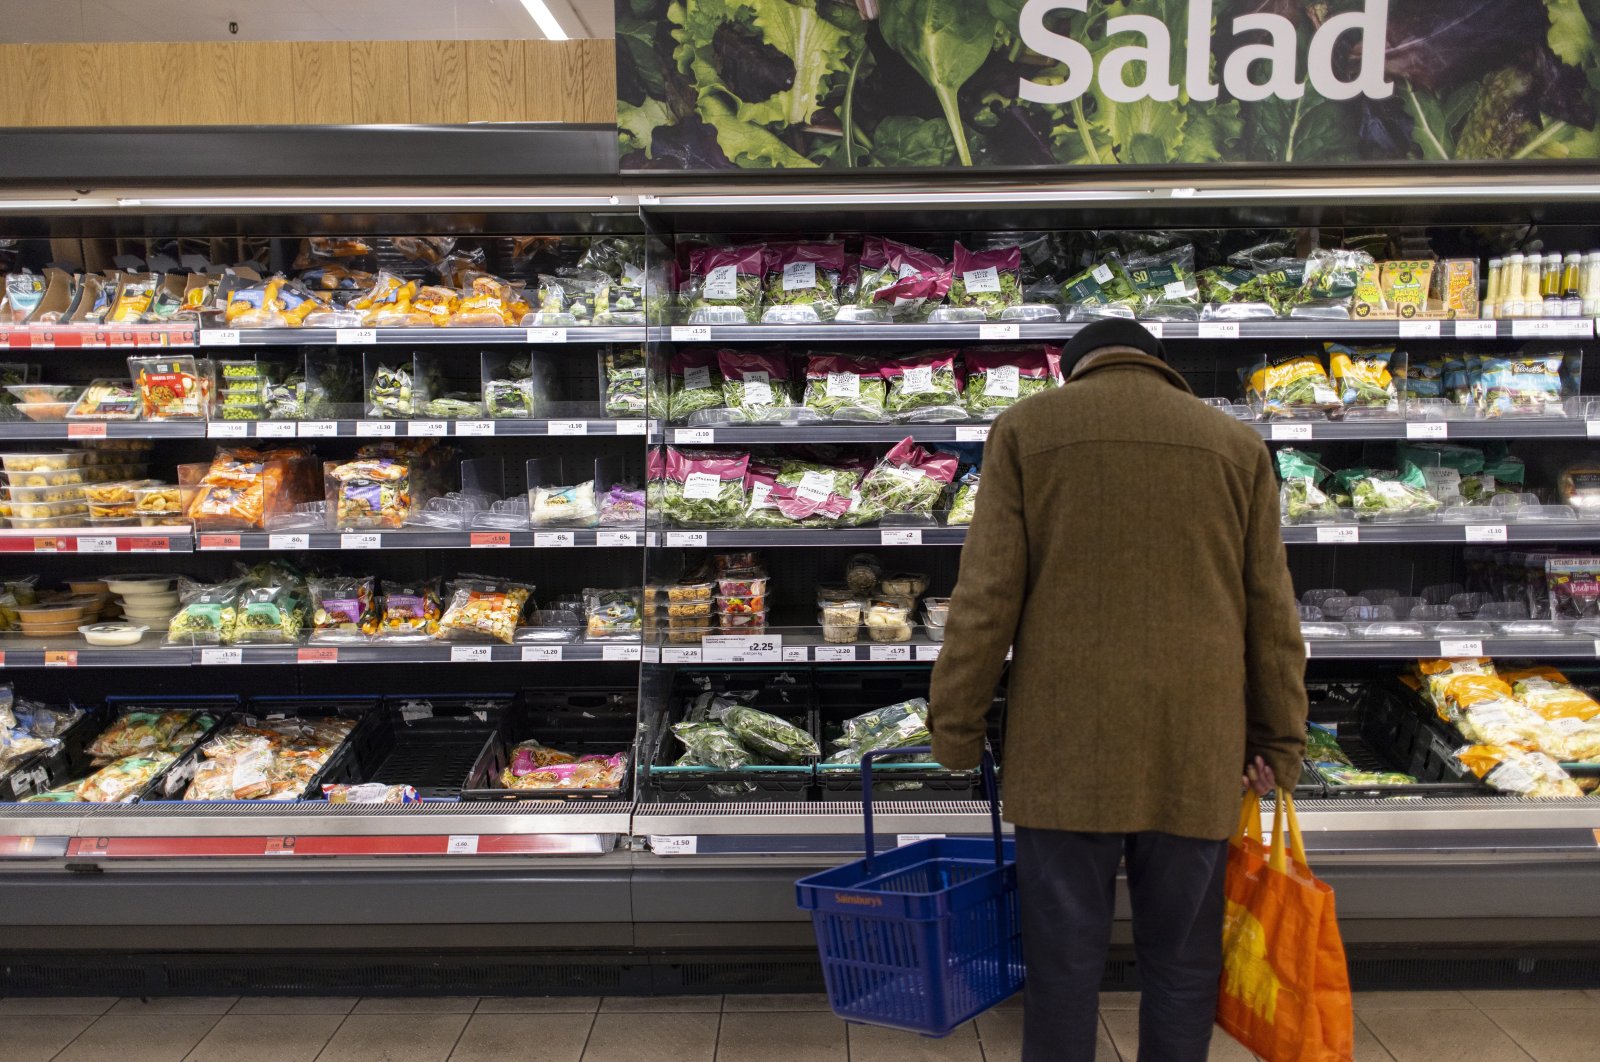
53, 461
37, 392
111, 634
141, 584
46, 477
65, 492
44, 410
48, 510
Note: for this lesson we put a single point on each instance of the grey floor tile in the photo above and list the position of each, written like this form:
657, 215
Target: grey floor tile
176, 1005
266, 1038
95, 1005
395, 1038
806, 1001
294, 1005
782, 1037
1368, 1049
39, 1037
683, 1037
661, 1004
1412, 1037
416, 1005
1534, 998
139, 1038
1124, 1028
1119, 1001
538, 1005
1443, 1000
1551, 1035
869, 1043
524, 1038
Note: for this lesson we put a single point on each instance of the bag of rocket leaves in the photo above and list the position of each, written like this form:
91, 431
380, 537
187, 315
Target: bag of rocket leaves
1328, 282
987, 280
765, 734
704, 489
625, 383
909, 481
1164, 285
924, 387
1000, 377
695, 382
755, 387
1300, 495
802, 282
1292, 385
891, 727
1363, 376
728, 284
1377, 492
839, 387
965, 503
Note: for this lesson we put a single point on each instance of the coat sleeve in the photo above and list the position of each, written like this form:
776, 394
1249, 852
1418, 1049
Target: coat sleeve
984, 608
1275, 662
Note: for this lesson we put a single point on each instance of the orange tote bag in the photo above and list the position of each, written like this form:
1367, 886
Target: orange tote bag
1285, 987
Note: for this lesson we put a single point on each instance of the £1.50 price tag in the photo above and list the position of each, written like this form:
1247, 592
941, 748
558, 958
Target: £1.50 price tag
362, 540
742, 649
470, 654
674, 845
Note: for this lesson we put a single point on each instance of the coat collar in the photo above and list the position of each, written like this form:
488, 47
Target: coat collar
1129, 357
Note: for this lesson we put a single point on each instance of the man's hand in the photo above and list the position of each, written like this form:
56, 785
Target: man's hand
1259, 776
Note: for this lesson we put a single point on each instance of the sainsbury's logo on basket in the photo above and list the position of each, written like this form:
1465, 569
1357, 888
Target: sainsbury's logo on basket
857, 899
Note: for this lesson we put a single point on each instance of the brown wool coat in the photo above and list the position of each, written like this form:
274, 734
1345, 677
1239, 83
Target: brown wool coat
1127, 543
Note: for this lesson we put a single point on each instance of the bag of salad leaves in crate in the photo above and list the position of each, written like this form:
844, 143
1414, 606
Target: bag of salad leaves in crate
765, 734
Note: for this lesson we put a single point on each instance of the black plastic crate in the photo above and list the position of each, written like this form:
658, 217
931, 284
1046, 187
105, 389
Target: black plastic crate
783, 692
587, 721
491, 709
846, 692
436, 757
1392, 733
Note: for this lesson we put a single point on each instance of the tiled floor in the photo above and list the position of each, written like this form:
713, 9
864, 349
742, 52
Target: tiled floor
1547, 1026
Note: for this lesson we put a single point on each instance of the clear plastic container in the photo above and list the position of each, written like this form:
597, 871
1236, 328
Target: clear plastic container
113, 521
44, 410
172, 519
688, 635
718, 315
21, 510
42, 462
828, 594
957, 315
841, 621
686, 592
61, 610
1036, 312
937, 610
747, 623
140, 585
678, 610
1324, 630
903, 584
736, 585
1317, 597
795, 314
113, 473
22, 524
889, 620
741, 604
115, 492
103, 511
112, 634
67, 492
1336, 607
157, 498
935, 630
107, 399
34, 392
864, 315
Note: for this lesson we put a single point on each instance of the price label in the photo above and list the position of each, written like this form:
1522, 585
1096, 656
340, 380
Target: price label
796, 654
1291, 431
279, 846
834, 654
619, 653
1338, 535
649, 654
461, 844
375, 429
61, 658
900, 536
150, 545
470, 654
470, 428
1591, 428
889, 654
999, 331
219, 541
420, 429
1155, 328
1427, 429
903, 839
352, 336
541, 654
318, 429
1550, 328
1596, 652
554, 539
1419, 329
1486, 533
694, 435
490, 539
82, 430
227, 429
674, 845
97, 544
1218, 330
211, 657
1477, 329
567, 427
277, 542
691, 333
317, 656
652, 539
1455, 648
631, 427
361, 541
687, 539
741, 649
275, 429
928, 653
547, 335
670, 655
219, 337
973, 434
616, 538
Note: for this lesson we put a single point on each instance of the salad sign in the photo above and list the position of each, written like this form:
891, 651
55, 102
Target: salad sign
923, 84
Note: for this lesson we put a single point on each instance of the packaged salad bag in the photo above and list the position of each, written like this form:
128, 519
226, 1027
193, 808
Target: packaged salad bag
1000, 377
1292, 385
343, 608
1378, 493
1300, 495
1163, 283
990, 281
1522, 385
1364, 377
806, 491
802, 282
924, 387
704, 488
883, 262
485, 607
726, 284
761, 507
840, 387
965, 502
916, 284
695, 384
909, 481
755, 387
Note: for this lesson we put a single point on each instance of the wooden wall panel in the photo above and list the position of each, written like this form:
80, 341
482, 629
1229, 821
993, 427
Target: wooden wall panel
313, 83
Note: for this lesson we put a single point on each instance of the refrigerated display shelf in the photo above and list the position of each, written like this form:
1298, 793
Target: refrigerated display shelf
315, 429
1489, 532
72, 651
95, 540
421, 538
1577, 647
758, 538
281, 337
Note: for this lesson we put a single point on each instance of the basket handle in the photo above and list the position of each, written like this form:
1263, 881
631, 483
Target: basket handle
990, 790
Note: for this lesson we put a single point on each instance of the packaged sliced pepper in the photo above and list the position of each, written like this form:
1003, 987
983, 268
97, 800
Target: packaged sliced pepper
342, 607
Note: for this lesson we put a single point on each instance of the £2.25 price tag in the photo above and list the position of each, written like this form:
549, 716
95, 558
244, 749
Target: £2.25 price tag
741, 649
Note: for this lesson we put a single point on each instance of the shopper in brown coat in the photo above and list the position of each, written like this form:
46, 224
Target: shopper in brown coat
1126, 544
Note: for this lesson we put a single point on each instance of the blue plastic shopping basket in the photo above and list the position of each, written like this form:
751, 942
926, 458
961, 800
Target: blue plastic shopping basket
924, 937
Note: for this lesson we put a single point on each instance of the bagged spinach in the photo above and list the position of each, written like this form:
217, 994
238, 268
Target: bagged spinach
704, 489
924, 387
726, 279
987, 280
839, 387
711, 745
1000, 377
1102, 290
890, 727
695, 383
1164, 284
1363, 376
802, 282
755, 387
766, 734
625, 383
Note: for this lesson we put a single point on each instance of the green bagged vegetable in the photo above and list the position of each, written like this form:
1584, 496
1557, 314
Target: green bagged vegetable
1322, 746
843, 388
755, 387
891, 727
1000, 377
1300, 497
729, 283
965, 503
1293, 385
625, 383
987, 280
1102, 290
766, 734
924, 387
1364, 376
704, 489
908, 482
696, 384
802, 282
711, 745
1164, 284
1375, 492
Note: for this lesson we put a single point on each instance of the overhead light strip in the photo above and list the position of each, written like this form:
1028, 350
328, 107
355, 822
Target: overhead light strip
547, 21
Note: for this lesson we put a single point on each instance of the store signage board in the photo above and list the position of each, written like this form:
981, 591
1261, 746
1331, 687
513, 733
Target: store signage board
1186, 83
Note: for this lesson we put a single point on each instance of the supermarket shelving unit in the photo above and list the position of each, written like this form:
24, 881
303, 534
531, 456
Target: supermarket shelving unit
648, 894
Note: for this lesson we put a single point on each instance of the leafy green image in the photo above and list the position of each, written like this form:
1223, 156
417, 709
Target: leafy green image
925, 84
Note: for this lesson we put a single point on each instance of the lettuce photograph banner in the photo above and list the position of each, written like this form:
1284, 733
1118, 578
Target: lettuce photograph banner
923, 84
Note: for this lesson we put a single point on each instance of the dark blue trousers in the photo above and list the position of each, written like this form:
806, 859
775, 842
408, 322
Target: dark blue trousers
1068, 890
